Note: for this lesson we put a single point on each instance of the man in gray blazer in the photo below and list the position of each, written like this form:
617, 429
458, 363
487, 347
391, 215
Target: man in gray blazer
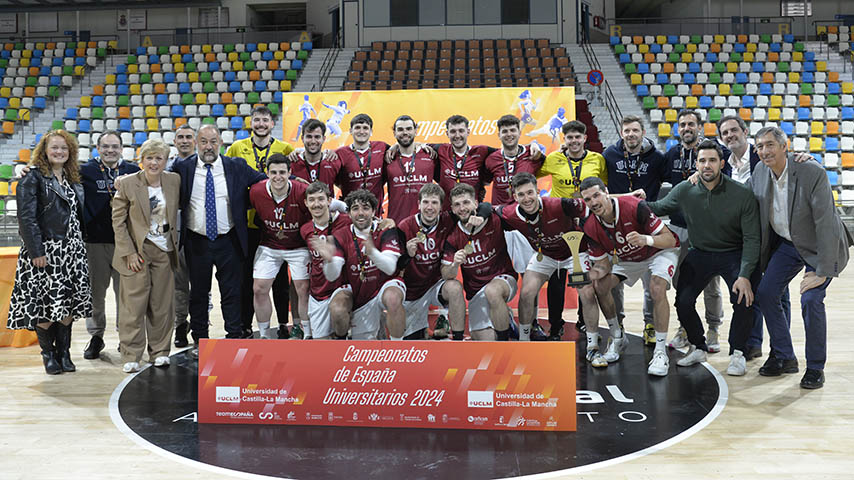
800, 229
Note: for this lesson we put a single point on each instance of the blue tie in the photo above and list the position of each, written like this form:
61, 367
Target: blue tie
210, 205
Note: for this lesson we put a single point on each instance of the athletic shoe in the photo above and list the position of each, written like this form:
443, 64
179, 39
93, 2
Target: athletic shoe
297, 333
443, 327
595, 358
648, 334
93, 348
712, 341
514, 329
537, 332
283, 333
659, 365
680, 340
161, 361
555, 334
580, 327
131, 367
695, 355
616, 346
737, 364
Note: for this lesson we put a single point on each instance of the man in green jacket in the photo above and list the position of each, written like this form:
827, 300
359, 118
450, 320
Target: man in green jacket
723, 226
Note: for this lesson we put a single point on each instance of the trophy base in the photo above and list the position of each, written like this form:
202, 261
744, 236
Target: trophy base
579, 279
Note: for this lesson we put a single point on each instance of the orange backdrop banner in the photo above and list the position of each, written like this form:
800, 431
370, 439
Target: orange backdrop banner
419, 384
10, 338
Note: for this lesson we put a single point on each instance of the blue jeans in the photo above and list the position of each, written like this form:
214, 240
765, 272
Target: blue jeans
755, 339
696, 270
784, 264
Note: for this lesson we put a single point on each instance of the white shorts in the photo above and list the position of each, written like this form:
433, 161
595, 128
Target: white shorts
519, 249
479, 305
662, 264
319, 318
418, 309
268, 262
366, 319
548, 265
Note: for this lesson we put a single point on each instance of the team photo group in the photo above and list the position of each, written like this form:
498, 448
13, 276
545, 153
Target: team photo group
411, 220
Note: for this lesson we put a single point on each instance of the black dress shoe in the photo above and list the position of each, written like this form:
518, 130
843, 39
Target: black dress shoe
774, 367
181, 335
555, 334
93, 348
812, 379
753, 352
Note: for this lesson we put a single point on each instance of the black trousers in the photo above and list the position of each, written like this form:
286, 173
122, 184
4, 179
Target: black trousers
202, 255
695, 271
281, 287
556, 290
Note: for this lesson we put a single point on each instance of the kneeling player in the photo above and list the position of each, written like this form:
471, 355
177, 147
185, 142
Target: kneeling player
329, 303
640, 246
543, 221
371, 271
425, 234
477, 246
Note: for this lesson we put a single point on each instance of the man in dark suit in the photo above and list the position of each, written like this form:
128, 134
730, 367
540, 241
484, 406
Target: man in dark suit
800, 229
214, 201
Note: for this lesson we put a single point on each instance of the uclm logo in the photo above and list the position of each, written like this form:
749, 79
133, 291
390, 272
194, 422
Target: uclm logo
227, 394
477, 399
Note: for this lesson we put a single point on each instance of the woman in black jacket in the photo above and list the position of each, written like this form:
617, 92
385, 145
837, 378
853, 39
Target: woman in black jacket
52, 277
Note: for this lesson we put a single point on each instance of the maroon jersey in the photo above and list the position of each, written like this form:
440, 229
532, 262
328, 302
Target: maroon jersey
632, 216
489, 258
500, 170
280, 222
319, 287
455, 169
362, 169
352, 249
405, 176
425, 269
545, 231
325, 170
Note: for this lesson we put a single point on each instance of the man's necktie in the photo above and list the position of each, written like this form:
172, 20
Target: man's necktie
210, 205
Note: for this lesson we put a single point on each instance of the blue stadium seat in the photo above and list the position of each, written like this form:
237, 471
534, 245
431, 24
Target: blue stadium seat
712, 57
296, 64
671, 39
740, 77
789, 38
832, 177
70, 114
662, 79
217, 110
241, 134
235, 123
757, 67
694, 67
5, 54
35, 62
139, 138
124, 125
121, 78
184, 87
307, 45
251, 47
624, 57
161, 99
98, 101
4, 102
807, 77
80, 61
689, 78
260, 86
670, 143
278, 75
766, 89
655, 48
121, 68
94, 152
831, 144
775, 47
153, 59
177, 111
643, 68
213, 67
84, 126
122, 89
643, 91
234, 87
267, 56
748, 101
69, 52
834, 89
739, 48
818, 158
169, 77
847, 113
706, 102
141, 50
187, 58
57, 61
277, 97
230, 76
804, 114
614, 40
787, 127
39, 103
809, 56
809, 66
38, 53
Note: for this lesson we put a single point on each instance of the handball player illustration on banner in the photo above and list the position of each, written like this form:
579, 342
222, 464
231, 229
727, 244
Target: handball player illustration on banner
307, 111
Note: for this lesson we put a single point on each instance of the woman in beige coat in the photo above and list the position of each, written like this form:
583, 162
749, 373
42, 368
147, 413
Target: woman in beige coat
144, 221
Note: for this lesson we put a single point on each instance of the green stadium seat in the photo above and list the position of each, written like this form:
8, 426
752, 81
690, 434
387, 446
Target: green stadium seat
123, 101
618, 49
714, 115
799, 46
648, 103
291, 75
669, 90
274, 108
57, 125
833, 100
253, 98
720, 67
696, 39
783, 67
630, 68
187, 99
738, 89
679, 48
244, 57
715, 78
209, 121
806, 89
131, 59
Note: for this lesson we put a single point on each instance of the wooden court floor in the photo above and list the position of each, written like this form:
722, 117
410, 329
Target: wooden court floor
59, 427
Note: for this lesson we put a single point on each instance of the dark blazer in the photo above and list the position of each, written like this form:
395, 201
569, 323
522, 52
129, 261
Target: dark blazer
44, 210
239, 176
96, 211
816, 229
754, 158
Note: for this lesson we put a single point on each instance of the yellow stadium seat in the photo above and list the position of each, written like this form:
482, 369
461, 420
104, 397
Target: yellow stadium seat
279, 55
135, 89
233, 57
817, 129
724, 89
643, 48
86, 101
794, 77
262, 47
14, 102
26, 54
637, 79
177, 67
114, 44
774, 114
732, 67
797, 56
751, 47
39, 45
719, 39
133, 68
247, 122
201, 98
24, 115
847, 87
661, 39
687, 57
150, 111
821, 29
24, 62
231, 110
670, 115
816, 144
207, 49
4, 187
691, 102
691, 48
664, 130
152, 125
193, 77
5, 92
79, 71
776, 101
821, 66
749, 57
176, 58
285, 85
237, 66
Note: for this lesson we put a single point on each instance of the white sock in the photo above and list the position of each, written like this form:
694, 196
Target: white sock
661, 341
397, 338
263, 328
524, 332
592, 340
614, 325
306, 327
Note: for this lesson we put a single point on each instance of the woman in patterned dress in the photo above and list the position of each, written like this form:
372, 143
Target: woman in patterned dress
52, 277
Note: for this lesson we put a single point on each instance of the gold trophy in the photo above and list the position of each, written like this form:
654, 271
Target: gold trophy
575, 278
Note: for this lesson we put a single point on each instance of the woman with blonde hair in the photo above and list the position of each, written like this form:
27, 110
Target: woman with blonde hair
145, 211
52, 277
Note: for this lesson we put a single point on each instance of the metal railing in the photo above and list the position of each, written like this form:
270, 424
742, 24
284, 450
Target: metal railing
700, 25
606, 94
223, 34
328, 63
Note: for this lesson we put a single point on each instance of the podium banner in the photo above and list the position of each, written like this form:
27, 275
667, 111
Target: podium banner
418, 384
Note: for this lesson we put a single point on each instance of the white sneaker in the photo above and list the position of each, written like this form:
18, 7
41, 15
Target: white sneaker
695, 355
616, 346
737, 364
161, 361
712, 341
680, 340
595, 358
131, 367
659, 365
